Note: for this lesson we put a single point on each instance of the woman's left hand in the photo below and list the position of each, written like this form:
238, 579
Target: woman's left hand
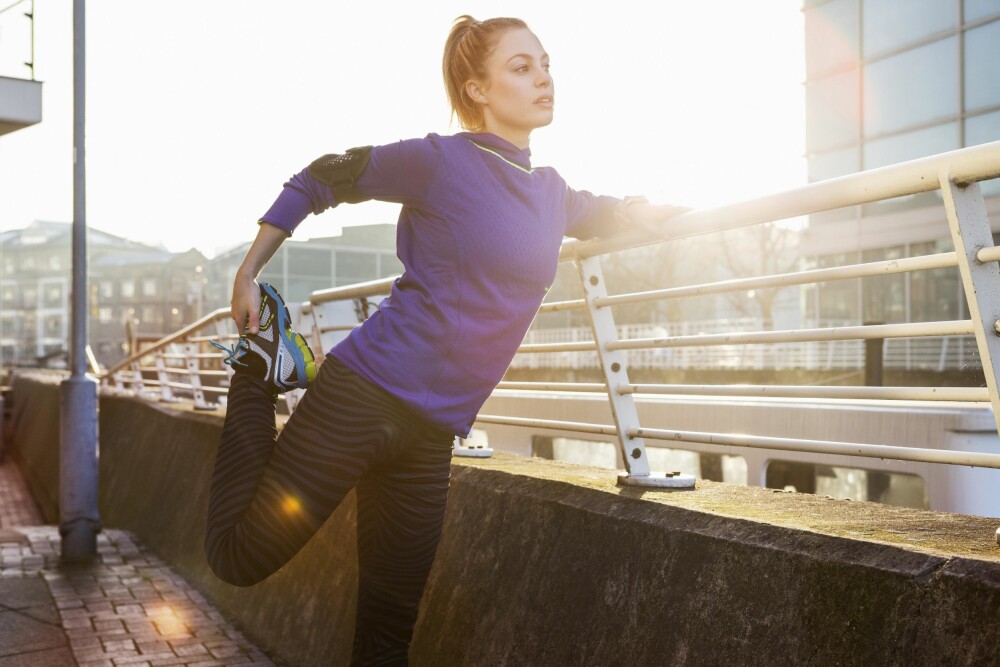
637, 211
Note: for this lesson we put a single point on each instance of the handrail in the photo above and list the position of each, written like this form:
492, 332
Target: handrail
965, 165
167, 340
961, 394
356, 291
848, 271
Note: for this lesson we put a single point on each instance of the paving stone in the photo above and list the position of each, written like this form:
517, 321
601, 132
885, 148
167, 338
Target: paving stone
54, 657
20, 634
126, 608
111, 645
146, 658
190, 649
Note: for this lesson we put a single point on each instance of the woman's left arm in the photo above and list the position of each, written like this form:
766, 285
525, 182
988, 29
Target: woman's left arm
637, 211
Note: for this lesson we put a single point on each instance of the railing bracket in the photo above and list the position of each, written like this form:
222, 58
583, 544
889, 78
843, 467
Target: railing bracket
669, 480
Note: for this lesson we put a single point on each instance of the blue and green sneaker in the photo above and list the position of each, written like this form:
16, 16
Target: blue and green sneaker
275, 354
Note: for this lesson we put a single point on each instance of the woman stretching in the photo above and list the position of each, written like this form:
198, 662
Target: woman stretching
479, 235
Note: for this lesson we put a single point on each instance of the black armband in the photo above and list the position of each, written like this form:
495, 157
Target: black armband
341, 172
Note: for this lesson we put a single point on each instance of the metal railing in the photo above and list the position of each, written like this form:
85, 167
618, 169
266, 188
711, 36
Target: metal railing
331, 313
929, 353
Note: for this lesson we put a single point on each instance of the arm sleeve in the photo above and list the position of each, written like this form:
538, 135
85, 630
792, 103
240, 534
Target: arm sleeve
589, 215
401, 172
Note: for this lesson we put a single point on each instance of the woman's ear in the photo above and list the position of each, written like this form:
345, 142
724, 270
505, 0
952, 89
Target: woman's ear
475, 92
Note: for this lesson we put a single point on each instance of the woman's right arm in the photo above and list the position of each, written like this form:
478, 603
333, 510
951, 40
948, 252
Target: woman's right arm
246, 293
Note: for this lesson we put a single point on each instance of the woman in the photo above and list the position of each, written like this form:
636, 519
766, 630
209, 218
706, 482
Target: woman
479, 235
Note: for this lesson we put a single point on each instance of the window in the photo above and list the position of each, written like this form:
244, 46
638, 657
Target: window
935, 295
151, 317
28, 263
982, 130
8, 297
832, 36
910, 146
895, 99
55, 262
105, 315
353, 267
884, 296
107, 289
832, 112
833, 164
977, 9
127, 289
390, 265
982, 52
299, 289
838, 299
310, 262
53, 296
149, 287
890, 25
54, 326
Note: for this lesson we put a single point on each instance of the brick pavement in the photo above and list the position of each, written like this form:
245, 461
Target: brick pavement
126, 608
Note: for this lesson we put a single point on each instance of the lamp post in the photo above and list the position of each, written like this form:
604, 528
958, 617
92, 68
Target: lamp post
79, 521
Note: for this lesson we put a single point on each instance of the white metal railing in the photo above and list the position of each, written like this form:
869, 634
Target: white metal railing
928, 353
329, 314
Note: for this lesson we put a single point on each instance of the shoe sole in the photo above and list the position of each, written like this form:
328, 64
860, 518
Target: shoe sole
305, 363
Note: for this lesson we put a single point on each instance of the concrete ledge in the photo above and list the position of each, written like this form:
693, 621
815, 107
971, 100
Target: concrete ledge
552, 564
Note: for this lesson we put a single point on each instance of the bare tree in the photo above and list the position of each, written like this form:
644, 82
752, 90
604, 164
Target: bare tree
643, 269
759, 250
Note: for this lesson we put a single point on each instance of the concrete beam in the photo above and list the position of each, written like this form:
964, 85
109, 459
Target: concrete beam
20, 104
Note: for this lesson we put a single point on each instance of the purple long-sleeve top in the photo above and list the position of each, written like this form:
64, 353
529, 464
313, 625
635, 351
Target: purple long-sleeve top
478, 235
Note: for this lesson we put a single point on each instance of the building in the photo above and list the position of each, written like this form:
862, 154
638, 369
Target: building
889, 82
360, 253
156, 290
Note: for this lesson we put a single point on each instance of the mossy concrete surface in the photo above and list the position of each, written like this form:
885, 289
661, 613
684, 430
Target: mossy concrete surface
551, 564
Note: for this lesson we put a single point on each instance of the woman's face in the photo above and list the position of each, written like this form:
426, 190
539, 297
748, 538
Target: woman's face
519, 94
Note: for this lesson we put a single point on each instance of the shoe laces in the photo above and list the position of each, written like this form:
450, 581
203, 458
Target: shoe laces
234, 351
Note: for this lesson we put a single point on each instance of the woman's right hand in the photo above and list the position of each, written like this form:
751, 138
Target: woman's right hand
246, 304
246, 292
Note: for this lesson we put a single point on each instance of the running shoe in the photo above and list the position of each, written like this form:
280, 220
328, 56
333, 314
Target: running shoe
275, 354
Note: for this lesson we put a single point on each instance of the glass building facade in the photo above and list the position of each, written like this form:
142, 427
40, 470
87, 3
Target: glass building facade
886, 82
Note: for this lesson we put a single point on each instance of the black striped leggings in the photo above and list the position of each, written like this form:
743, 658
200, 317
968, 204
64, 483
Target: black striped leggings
270, 495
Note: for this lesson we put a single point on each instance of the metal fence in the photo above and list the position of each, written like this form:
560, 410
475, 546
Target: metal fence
182, 362
936, 354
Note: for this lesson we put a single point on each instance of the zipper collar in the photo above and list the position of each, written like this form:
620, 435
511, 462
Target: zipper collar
503, 149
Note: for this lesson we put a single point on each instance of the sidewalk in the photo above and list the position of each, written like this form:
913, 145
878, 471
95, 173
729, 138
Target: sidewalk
127, 608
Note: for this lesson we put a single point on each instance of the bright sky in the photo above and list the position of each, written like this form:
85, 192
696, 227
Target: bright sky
197, 112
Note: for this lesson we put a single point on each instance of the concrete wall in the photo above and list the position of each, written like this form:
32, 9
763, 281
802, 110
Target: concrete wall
550, 564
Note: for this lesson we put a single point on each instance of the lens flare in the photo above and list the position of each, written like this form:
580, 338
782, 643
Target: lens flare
291, 505
168, 621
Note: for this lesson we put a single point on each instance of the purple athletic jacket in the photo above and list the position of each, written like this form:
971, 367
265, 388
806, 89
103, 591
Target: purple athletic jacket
479, 236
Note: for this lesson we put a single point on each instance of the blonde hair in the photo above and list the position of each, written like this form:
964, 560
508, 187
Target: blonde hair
469, 44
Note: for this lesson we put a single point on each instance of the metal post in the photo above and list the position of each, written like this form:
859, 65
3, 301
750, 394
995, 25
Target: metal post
874, 359
191, 351
79, 521
614, 364
163, 377
970, 230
